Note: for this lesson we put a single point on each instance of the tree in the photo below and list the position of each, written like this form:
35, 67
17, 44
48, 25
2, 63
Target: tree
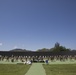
57, 45
58, 48
43, 50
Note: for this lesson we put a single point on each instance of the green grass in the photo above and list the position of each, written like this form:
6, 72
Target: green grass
61, 69
13, 69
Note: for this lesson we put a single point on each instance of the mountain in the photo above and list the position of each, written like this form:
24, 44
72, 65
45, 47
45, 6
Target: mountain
19, 50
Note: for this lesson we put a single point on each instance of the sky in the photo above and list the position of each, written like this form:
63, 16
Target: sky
36, 24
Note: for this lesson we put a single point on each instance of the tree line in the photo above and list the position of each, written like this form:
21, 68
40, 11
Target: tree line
57, 48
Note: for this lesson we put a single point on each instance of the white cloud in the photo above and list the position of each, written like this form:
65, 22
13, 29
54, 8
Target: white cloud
15, 47
1, 44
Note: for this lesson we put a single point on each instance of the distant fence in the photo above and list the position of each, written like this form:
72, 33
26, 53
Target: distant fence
10, 53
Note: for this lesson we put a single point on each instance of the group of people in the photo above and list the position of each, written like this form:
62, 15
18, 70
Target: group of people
30, 59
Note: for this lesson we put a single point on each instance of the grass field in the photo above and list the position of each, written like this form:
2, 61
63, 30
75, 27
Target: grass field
13, 69
60, 69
